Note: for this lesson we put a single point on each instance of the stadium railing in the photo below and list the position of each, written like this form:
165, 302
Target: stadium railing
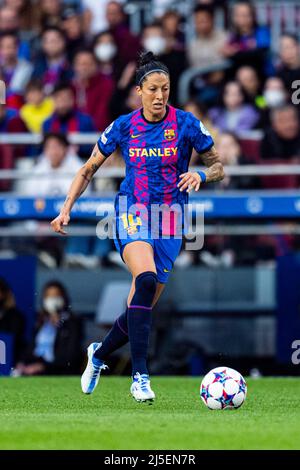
225, 205
189, 74
118, 172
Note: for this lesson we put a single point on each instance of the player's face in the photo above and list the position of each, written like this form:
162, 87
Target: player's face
155, 91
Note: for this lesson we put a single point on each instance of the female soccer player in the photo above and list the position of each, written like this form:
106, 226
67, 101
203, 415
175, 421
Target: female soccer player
156, 142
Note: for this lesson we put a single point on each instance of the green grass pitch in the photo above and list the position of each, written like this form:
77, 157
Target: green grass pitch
52, 413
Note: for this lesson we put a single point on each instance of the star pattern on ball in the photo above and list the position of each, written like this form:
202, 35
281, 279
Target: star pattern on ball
223, 388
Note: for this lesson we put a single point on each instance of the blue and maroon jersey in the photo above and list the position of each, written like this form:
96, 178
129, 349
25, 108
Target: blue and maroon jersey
155, 153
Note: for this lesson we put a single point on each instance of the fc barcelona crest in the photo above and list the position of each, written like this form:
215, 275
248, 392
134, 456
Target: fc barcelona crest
169, 134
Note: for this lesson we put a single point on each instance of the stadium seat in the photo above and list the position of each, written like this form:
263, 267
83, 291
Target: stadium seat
110, 304
279, 181
7, 163
251, 149
23, 164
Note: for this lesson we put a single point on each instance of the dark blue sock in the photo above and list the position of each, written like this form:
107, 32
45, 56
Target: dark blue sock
115, 338
139, 320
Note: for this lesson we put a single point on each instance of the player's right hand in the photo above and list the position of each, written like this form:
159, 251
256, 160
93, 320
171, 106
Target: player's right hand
60, 221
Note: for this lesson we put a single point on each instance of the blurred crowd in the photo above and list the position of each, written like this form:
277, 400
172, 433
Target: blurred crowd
55, 346
69, 66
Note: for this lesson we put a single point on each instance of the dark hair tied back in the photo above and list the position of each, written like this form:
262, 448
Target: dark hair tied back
146, 58
147, 64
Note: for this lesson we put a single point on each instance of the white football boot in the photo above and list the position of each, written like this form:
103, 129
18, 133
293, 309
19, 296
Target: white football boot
140, 388
91, 375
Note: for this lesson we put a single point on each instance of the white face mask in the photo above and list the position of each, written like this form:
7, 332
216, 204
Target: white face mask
105, 52
274, 98
53, 304
155, 44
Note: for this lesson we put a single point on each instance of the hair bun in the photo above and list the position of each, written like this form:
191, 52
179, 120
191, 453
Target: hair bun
145, 58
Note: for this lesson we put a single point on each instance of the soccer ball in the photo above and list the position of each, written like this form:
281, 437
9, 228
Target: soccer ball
222, 388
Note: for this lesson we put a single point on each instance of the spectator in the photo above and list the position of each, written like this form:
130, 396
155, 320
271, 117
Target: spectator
26, 13
49, 14
37, 107
93, 89
206, 48
95, 17
10, 122
127, 43
234, 113
201, 113
11, 319
125, 98
52, 65
289, 53
274, 93
124, 101
66, 118
154, 40
72, 25
274, 96
282, 139
249, 80
106, 52
56, 348
173, 32
55, 160
11, 22
230, 152
15, 72
159, 7
248, 43
8, 19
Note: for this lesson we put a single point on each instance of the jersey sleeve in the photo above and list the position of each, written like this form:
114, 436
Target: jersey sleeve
110, 138
199, 136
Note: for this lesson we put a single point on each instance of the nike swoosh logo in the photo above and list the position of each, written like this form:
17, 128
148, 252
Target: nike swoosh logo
166, 270
135, 136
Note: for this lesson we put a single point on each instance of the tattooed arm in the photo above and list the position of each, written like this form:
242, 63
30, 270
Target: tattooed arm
77, 188
214, 172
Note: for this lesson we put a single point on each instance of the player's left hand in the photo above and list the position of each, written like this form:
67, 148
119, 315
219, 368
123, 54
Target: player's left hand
189, 181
